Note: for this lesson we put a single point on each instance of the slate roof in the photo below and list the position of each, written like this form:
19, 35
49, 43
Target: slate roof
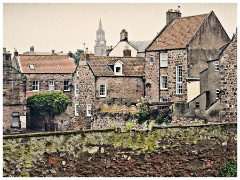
46, 64
178, 33
139, 45
133, 66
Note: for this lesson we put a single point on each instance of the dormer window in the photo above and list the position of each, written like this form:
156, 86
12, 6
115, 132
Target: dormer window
31, 66
118, 68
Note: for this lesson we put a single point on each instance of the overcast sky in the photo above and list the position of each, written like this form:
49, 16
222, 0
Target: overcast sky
65, 27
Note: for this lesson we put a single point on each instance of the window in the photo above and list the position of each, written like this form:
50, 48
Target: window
51, 85
77, 73
164, 100
35, 86
66, 85
197, 105
31, 66
15, 120
76, 110
76, 90
216, 64
163, 59
163, 80
151, 60
102, 90
179, 89
118, 70
217, 93
89, 110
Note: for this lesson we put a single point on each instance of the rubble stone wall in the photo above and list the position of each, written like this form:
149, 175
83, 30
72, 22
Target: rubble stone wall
199, 150
228, 82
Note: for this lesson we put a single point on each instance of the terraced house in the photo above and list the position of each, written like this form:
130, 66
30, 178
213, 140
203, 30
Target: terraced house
46, 73
108, 80
178, 54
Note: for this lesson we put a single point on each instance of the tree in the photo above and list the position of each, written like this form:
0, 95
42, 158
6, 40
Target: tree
77, 55
50, 104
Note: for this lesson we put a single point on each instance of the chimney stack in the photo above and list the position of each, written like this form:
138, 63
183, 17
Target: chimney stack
53, 52
70, 54
109, 49
172, 14
126, 52
123, 35
32, 49
15, 53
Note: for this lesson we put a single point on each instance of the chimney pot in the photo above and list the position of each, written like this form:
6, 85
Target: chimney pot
4, 50
70, 54
32, 49
15, 53
123, 35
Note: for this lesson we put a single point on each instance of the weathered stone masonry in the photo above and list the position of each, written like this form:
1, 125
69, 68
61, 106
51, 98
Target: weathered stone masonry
228, 82
171, 151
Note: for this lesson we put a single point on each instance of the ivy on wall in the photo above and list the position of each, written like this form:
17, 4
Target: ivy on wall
48, 103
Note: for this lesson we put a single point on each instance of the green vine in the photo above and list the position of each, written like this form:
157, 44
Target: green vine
48, 103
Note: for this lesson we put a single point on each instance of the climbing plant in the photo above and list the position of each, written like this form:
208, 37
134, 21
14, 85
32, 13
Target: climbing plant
48, 103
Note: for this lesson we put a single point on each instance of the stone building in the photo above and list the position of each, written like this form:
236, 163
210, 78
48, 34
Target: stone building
14, 95
218, 86
137, 48
178, 54
100, 42
48, 73
228, 82
108, 80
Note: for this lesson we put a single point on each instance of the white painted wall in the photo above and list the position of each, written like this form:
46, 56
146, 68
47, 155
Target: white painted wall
193, 90
118, 50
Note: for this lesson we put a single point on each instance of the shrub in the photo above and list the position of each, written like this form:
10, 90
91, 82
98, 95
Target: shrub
164, 117
229, 169
130, 125
142, 116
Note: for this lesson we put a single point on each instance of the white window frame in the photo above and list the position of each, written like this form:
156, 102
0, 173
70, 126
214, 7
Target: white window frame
164, 59
151, 59
216, 65
179, 78
51, 85
217, 93
162, 83
77, 73
103, 94
163, 100
66, 85
76, 110
76, 89
89, 110
36, 85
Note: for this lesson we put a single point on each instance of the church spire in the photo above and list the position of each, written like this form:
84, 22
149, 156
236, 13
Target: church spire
100, 24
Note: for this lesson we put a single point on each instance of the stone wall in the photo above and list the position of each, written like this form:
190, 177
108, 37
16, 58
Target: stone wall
127, 88
86, 81
228, 82
152, 77
43, 82
199, 150
14, 95
175, 57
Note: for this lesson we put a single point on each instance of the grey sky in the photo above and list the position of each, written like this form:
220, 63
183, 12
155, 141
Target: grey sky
65, 27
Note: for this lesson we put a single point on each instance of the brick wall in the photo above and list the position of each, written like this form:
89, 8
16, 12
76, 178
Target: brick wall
228, 82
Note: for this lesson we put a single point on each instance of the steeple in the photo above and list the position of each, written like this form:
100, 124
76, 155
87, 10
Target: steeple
100, 42
100, 24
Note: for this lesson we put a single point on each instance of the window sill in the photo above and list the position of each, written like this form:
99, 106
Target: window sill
76, 115
66, 90
35, 90
164, 89
102, 96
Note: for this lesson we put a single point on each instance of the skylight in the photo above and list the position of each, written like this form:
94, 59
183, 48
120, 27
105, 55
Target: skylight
31, 66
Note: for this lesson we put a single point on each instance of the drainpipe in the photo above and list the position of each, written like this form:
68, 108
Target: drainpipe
159, 76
